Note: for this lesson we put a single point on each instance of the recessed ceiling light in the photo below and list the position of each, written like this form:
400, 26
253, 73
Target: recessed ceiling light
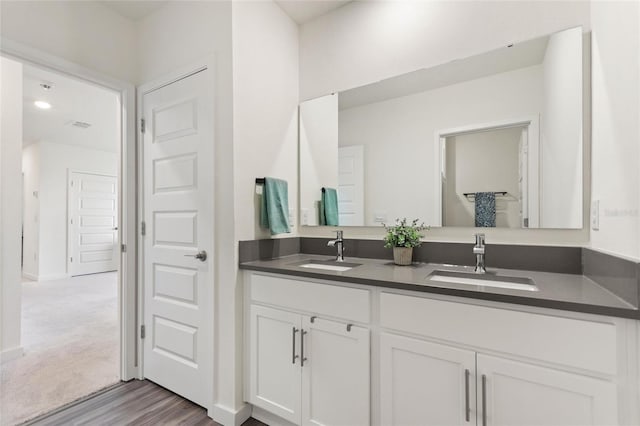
42, 104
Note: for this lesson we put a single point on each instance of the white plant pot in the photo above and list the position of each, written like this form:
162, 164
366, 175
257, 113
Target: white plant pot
402, 255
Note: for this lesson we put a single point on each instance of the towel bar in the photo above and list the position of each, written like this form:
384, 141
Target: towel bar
473, 194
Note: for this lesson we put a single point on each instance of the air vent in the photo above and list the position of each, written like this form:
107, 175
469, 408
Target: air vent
80, 124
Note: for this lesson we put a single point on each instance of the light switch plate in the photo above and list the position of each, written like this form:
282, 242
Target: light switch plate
291, 217
595, 215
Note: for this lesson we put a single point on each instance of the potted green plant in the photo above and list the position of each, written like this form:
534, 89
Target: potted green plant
403, 237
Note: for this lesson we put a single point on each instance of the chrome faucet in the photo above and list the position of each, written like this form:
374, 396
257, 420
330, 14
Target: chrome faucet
478, 250
339, 244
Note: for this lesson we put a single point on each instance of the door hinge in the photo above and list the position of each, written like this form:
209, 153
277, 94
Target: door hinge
72, 221
143, 228
143, 126
71, 259
71, 183
143, 332
123, 248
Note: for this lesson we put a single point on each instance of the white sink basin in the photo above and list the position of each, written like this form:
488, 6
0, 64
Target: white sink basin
327, 265
484, 280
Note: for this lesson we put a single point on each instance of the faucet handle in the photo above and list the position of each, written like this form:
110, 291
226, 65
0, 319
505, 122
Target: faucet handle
479, 239
339, 234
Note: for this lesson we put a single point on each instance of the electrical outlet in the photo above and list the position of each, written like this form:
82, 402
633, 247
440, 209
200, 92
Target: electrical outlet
305, 216
379, 217
595, 215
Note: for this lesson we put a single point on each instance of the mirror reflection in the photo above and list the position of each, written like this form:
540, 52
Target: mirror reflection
493, 140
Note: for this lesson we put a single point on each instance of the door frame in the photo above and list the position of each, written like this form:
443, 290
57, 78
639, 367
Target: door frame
532, 125
208, 65
126, 186
70, 172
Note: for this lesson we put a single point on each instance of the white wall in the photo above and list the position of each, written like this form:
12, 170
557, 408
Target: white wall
483, 162
616, 121
86, 33
399, 137
31, 210
10, 197
363, 42
318, 153
561, 132
182, 33
265, 128
55, 161
265, 58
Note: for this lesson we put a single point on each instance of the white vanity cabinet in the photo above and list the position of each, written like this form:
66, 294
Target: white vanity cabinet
534, 382
305, 365
321, 353
424, 383
514, 393
274, 352
335, 376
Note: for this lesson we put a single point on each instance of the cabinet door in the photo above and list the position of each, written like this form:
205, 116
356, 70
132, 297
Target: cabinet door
424, 383
516, 393
274, 359
335, 375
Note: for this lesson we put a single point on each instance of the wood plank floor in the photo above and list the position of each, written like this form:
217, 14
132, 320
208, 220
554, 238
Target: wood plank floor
138, 402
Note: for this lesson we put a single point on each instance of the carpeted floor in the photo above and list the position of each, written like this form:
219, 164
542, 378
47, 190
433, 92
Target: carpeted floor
71, 341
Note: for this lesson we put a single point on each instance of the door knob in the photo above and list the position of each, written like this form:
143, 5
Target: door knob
201, 255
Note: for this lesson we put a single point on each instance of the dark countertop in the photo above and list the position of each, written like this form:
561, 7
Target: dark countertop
557, 291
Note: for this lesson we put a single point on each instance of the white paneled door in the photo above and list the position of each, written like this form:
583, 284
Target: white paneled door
351, 185
178, 178
93, 223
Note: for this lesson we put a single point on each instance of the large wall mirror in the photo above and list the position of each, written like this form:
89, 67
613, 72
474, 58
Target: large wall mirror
493, 140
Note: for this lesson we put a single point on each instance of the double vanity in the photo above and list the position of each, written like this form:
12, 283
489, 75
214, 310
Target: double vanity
364, 341
536, 336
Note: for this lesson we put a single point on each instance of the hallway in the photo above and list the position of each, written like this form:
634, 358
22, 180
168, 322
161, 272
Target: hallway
71, 345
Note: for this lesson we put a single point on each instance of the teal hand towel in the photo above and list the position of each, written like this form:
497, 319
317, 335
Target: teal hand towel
329, 207
274, 208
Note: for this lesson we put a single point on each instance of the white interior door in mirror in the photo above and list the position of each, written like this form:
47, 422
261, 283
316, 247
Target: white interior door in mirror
351, 185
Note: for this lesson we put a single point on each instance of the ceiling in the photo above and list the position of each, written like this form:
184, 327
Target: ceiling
300, 11
303, 11
134, 9
71, 100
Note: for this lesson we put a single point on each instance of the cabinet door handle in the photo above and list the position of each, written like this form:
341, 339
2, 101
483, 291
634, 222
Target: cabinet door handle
467, 407
484, 400
302, 357
293, 346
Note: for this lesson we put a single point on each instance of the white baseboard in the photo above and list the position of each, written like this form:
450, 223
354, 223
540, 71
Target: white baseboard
11, 354
50, 277
228, 417
269, 418
29, 276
